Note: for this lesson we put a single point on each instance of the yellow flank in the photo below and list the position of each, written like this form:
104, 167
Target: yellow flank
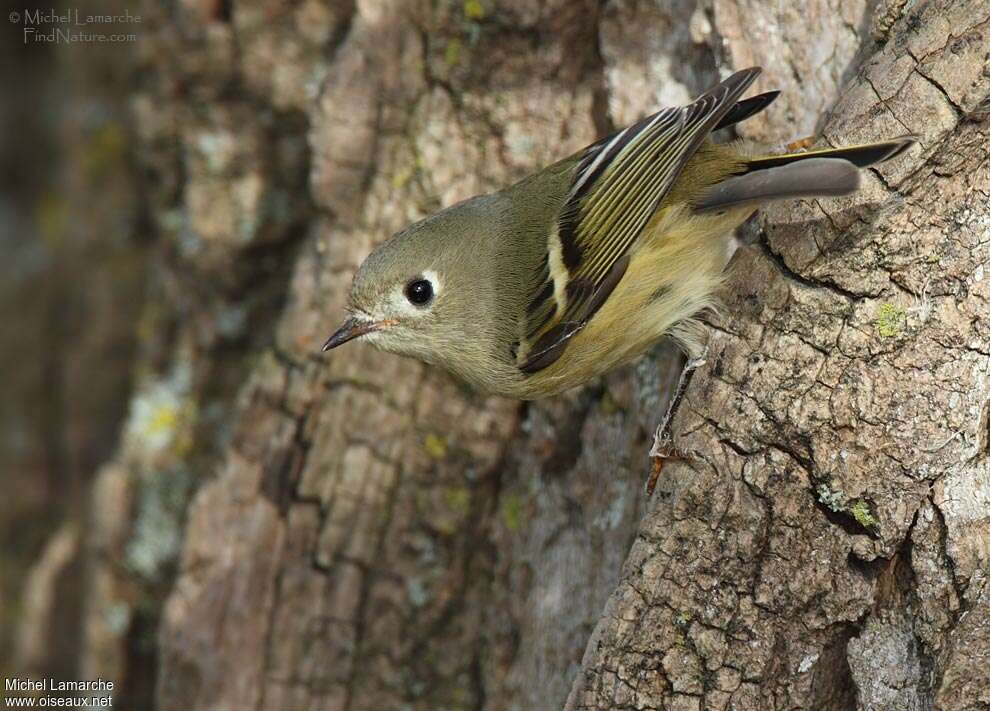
672, 275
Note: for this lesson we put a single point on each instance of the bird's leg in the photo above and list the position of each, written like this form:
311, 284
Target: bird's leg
663, 446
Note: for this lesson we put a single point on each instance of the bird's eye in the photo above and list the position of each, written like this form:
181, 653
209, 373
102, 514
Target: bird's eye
419, 291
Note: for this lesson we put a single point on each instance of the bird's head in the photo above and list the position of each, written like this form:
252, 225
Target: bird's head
426, 292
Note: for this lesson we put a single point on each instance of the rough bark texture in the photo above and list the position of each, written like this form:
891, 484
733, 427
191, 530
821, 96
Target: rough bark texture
827, 532
365, 534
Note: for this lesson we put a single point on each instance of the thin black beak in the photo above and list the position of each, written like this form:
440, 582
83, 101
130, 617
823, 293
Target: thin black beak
351, 329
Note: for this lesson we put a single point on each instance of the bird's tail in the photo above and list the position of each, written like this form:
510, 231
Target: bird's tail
861, 156
829, 172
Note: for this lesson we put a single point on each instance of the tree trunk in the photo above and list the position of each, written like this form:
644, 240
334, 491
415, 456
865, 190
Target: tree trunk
824, 542
366, 534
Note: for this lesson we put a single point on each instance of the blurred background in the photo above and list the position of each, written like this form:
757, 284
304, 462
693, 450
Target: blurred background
76, 241
124, 322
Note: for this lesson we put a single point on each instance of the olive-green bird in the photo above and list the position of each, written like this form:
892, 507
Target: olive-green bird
579, 268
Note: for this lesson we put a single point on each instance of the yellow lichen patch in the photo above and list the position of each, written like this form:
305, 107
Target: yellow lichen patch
511, 511
447, 528
435, 446
163, 419
861, 512
474, 10
402, 176
889, 321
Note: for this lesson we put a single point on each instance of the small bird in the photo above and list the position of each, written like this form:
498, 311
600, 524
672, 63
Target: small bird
579, 268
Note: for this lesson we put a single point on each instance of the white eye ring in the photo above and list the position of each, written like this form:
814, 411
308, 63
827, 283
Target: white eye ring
400, 303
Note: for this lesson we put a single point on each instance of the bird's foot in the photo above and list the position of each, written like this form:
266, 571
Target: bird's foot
663, 440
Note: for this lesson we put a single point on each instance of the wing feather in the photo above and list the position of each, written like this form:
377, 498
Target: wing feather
618, 184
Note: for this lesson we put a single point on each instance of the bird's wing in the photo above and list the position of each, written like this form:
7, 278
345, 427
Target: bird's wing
617, 185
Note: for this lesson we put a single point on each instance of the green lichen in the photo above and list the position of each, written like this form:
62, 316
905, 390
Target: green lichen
103, 150
117, 616
457, 498
608, 405
835, 500
861, 512
416, 592
683, 618
172, 220
51, 217
444, 525
889, 321
452, 52
424, 502
511, 512
232, 321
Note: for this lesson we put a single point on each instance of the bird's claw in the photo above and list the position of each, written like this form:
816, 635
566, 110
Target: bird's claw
656, 467
663, 440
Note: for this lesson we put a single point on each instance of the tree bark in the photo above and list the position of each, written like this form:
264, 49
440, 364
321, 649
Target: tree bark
824, 540
365, 534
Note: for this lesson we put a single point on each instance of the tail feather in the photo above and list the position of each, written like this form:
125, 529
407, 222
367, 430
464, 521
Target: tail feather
823, 173
861, 156
815, 177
